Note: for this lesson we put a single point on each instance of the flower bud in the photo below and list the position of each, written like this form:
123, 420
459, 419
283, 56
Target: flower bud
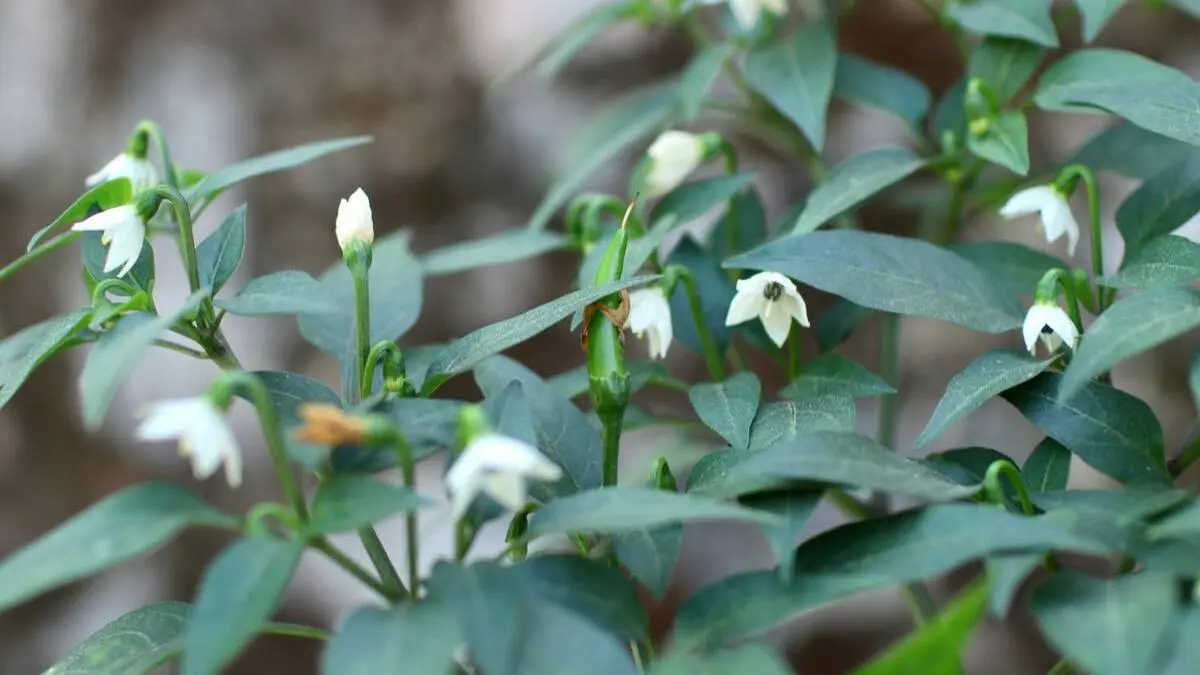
354, 223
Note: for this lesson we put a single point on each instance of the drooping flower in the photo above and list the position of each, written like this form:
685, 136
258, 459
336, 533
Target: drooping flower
354, 221
673, 156
1053, 208
123, 231
1048, 321
650, 314
499, 466
140, 172
203, 435
772, 298
748, 12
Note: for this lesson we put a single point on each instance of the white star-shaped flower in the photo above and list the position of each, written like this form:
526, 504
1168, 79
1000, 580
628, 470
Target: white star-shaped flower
748, 12
673, 156
1053, 208
354, 222
140, 172
499, 466
650, 313
1050, 323
771, 297
202, 433
123, 231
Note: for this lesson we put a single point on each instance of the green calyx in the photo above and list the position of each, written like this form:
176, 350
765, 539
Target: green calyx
139, 143
472, 423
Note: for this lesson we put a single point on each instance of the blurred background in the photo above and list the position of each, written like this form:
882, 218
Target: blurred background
454, 157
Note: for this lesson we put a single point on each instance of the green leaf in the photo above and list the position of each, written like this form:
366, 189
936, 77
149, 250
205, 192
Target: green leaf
237, 594
1025, 19
287, 392
796, 75
562, 431
696, 198
854, 181
986, 376
1004, 64
428, 424
728, 407
1096, 13
99, 198
1107, 626
1182, 523
1123, 507
1132, 325
615, 509
1182, 656
567, 44
94, 253
1114, 432
699, 74
116, 353
1018, 267
814, 411
937, 648
1006, 142
121, 526
396, 292
793, 508
747, 219
1131, 151
865, 555
950, 116
28, 348
1162, 261
348, 502
589, 588
1006, 573
1048, 467
713, 286
271, 162
742, 660
837, 324
967, 466
650, 555
861, 80
1162, 204
497, 249
630, 120
133, 644
284, 292
837, 374
218, 256
1070, 83
415, 638
462, 354
893, 274
829, 457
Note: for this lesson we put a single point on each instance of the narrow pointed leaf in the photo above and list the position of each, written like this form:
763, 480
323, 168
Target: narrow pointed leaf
218, 256
1162, 204
650, 554
700, 74
1006, 142
1006, 573
796, 75
100, 197
497, 249
1071, 82
861, 80
279, 160
794, 508
837, 374
1018, 267
25, 350
854, 181
133, 644
1162, 261
1096, 13
284, 292
1005, 64
1023, 19
347, 502
1129, 150
624, 508
728, 407
1048, 467
417, 637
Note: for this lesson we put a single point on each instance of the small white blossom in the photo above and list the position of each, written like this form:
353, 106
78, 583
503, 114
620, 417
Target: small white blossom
123, 231
1050, 323
649, 312
748, 12
673, 155
202, 433
140, 172
771, 297
1053, 208
354, 221
499, 466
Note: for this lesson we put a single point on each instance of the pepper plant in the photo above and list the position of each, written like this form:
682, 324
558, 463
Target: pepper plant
541, 452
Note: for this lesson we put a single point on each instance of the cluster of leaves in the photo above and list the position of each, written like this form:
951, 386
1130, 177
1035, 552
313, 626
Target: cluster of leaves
778, 456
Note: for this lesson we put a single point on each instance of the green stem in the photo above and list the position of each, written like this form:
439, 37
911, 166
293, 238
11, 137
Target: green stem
1063, 667
355, 570
793, 355
889, 338
187, 237
611, 428
154, 131
404, 459
269, 420
296, 630
362, 326
1188, 454
176, 347
382, 562
712, 356
991, 483
1084, 173
53, 244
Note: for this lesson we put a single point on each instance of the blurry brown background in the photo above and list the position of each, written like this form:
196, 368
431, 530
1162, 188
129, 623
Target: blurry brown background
230, 79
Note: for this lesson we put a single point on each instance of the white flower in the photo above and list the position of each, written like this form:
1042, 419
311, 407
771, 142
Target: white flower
673, 155
747, 12
1050, 323
498, 465
771, 297
123, 233
202, 432
354, 220
649, 312
1055, 211
140, 172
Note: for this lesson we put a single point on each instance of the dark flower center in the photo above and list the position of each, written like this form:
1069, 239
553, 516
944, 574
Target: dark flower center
1046, 330
773, 290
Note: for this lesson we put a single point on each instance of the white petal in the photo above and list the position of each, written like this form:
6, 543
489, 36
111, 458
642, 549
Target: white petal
777, 323
1029, 201
506, 488
125, 246
1035, 320
746, 305
1063, 326
354, 220
673, 156
1064, 223
793, 304
1051, 342
107, 219
140, 172
464, 487
746, 12
164, 420
649, 312
202, 432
